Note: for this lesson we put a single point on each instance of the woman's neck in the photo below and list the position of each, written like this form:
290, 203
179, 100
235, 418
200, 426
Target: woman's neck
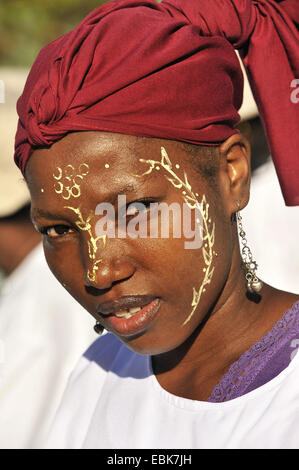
230, 328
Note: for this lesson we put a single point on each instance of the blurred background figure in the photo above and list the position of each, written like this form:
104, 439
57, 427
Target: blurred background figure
43, 330
267, 220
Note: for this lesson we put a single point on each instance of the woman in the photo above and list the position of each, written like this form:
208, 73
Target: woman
141, 101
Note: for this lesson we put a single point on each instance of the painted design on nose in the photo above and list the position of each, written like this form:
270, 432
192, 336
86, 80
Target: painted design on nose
68, 180
208, 228
68, 185
84, 224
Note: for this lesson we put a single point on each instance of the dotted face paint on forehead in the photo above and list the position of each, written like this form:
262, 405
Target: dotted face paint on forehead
68, 182
208, 228
67, 185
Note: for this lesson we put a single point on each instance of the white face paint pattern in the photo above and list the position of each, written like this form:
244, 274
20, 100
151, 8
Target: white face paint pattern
191, 200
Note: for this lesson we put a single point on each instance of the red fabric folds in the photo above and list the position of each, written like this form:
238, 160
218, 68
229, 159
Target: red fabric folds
168, 70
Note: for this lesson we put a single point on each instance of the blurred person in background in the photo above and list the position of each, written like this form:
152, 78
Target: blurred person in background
36, 354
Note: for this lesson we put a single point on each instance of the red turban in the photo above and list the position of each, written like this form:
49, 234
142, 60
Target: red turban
169, 70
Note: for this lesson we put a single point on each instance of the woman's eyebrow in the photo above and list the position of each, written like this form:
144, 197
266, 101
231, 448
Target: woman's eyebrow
35, 213
124, 189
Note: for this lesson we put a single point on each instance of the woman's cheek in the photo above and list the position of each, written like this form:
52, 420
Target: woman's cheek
63, 261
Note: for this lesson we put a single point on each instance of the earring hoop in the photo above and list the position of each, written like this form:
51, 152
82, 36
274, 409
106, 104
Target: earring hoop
254, 284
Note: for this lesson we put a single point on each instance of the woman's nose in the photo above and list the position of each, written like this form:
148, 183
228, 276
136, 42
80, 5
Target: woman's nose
103, 273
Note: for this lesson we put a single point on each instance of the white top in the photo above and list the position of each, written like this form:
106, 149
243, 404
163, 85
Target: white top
113, 400
43, 332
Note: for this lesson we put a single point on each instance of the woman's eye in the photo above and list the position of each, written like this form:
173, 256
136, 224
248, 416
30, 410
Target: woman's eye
56, 231
137, 207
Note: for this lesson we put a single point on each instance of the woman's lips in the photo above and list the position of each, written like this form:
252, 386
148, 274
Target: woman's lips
136, 323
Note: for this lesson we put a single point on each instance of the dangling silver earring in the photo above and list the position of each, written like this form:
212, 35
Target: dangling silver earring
254, 284
98, 328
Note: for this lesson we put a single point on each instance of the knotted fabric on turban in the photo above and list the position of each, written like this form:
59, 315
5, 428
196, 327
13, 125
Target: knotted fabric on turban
169, 70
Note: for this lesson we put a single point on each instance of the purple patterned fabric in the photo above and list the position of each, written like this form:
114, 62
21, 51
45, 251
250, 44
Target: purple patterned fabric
263, 361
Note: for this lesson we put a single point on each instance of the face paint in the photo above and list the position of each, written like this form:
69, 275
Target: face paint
62, 186
67, 182
92, 243
191, 200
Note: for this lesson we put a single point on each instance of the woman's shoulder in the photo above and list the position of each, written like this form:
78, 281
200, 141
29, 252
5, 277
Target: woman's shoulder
273, 306
279, 303
282, 301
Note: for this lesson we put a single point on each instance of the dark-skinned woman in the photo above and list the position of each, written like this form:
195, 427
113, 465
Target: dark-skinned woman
134, 109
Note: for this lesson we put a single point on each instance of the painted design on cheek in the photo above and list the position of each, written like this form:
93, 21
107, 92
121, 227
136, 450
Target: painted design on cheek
84, 224
67, 182
208, 228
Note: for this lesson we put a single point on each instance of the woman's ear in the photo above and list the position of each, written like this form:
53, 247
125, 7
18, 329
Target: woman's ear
235, 171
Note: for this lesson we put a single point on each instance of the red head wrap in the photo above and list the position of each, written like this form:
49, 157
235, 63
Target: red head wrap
168, 70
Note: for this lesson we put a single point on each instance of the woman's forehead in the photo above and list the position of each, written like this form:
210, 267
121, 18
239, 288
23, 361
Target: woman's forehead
113, 156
